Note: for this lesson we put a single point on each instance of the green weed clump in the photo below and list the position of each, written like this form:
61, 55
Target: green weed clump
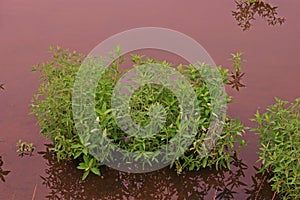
52, 106
279, 130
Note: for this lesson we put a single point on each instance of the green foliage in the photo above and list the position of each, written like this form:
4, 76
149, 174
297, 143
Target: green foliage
53, 107
237, 61
52, 104
89, 164
280, 146
253, 1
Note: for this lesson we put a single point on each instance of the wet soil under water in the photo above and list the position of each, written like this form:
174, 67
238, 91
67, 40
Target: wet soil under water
28, 28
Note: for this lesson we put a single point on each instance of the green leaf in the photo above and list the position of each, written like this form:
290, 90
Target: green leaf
96, 171
77, 154
86, 160
85, 174
81, 166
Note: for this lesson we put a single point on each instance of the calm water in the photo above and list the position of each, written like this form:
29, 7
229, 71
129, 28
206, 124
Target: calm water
27, 28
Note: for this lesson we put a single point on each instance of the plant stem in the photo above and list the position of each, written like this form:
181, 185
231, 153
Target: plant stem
274, 195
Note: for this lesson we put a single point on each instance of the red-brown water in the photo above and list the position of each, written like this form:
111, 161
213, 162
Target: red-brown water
27, 28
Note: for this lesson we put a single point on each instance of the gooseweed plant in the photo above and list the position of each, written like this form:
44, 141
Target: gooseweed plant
52, 106
279, 130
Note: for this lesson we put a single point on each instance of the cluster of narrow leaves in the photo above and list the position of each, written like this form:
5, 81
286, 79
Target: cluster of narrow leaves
53, 107
279, 129
236, 75
151, 94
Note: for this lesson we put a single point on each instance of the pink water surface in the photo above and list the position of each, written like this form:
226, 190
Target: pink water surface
27, 28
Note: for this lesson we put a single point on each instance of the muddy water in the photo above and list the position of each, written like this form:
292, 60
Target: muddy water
27, 28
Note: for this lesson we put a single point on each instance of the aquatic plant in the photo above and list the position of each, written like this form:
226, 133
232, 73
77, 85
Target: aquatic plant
279, 130
236, 75
25, 148
52, 106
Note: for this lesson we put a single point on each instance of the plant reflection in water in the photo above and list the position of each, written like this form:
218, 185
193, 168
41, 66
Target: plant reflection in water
3, 173
260, 188
1, 86
64, 182
246, 10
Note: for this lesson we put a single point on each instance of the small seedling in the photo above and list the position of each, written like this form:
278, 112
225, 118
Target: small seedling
236, 76
25, 148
